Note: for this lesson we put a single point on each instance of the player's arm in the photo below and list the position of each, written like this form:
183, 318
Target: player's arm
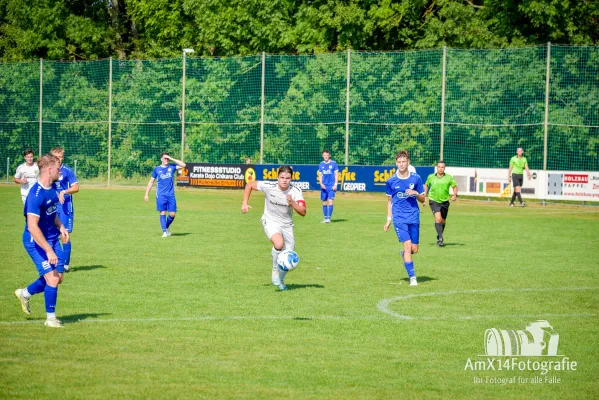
253, 185
509, 173
320, 179
71, 190
527, 170
19, 178
148, 188
38, 237
64, 234
336, 180
178, 162
389, 214
455, 193
299, 206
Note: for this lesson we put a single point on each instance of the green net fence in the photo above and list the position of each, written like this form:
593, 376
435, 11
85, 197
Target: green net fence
115, 117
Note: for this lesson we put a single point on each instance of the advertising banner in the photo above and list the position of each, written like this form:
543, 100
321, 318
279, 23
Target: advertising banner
350, 178
572, 185
229, 176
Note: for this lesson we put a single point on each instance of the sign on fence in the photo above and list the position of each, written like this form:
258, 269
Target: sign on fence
230, 176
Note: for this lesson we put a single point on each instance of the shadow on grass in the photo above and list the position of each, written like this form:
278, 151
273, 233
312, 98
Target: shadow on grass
421, 279
181, 234
74, 318
339, 220
448, 244
87, 268
293, 286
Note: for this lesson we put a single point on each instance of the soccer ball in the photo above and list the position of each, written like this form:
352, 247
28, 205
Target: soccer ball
288, 260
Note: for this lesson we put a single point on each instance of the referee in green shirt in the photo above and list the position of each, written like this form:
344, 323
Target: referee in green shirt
436, 189
518, 164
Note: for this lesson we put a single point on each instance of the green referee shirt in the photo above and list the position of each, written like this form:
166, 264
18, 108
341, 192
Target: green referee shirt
518, 164
438, 188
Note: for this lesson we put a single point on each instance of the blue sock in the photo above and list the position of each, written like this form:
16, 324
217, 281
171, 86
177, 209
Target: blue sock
163, 222
66, 248
409, 268
169, 221
37, 286
50, 296
330, 211
324, 211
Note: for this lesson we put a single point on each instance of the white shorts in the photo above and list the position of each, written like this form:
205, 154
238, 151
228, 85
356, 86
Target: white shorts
270, 228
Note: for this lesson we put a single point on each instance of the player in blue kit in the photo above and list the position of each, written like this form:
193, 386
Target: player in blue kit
403, 191
164, 175
328, 174
42, 239
65, 186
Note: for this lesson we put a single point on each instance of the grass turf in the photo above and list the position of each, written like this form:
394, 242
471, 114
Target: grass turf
195, 315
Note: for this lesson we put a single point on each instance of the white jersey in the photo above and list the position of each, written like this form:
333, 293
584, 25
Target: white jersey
411, 168
30, 173
276, 208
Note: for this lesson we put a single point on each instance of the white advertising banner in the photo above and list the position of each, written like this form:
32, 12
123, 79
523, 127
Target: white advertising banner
544, 185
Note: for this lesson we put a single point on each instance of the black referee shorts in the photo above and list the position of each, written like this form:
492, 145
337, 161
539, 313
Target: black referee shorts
517, 180
443, 208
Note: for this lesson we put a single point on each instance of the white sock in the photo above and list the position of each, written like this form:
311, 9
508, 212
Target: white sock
50, 315
275, 267
26, 293
282, 275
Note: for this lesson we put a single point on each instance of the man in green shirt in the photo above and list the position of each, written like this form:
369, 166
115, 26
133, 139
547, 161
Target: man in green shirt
436, 189
518, 164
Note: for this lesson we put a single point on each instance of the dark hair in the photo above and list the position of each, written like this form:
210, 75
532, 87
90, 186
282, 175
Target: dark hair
285, 168
164, 154
441, 162
57, 150
46, 160
27, 151
326, 151
402, 153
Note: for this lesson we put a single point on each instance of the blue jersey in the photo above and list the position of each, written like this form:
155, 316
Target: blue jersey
43, 202
404, 207
66, 179
164, 176
327, 171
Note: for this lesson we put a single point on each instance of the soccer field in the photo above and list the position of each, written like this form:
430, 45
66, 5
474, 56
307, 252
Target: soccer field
194, 315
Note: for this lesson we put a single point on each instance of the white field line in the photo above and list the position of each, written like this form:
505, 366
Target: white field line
384, 304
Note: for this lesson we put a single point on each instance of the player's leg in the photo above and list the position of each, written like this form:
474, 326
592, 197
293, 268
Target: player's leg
171, 207
414, 230
38, 256
161, 207
289, 239
403, 234
444, 212
331, 195
50, 298
325, 205
436, 209
516, 189
276, 238
68, 220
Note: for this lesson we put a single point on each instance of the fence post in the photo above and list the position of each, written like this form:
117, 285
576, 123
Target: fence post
183, 109
109, 117
347, 107
546, 123
262, 109
7, 168
75, 167
443, 83
41, 105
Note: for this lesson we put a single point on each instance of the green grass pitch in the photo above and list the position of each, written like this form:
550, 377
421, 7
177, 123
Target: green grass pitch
195, 316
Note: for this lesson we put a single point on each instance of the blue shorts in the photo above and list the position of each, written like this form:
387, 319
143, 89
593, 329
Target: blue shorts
39, 257
166, 203
407, 232
327, 194
68, 220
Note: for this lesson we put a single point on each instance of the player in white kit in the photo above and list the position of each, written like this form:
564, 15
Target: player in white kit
27, 174
280, 200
